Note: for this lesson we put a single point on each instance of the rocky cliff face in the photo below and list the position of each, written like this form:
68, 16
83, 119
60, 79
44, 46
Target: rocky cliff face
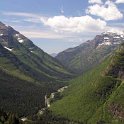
116, 67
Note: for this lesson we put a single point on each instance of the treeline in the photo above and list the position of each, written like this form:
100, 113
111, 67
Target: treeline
23, 97
49, 118
8, 118
46, 118
19, 96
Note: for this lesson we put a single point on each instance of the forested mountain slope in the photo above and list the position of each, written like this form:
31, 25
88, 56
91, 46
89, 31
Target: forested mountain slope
45, 67
26, 73
96, 97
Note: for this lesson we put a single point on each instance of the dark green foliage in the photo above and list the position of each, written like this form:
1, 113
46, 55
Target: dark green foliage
49, 118
20, 96
8, 118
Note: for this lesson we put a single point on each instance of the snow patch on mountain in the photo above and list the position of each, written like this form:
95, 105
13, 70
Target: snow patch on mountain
105, 43
7, 48
116, 37
106, 38
21, 40
17, 35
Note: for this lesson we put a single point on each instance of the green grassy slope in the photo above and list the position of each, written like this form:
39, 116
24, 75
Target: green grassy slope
40, 65
97, 96
20, 96
48, 70
20, 90
11, 64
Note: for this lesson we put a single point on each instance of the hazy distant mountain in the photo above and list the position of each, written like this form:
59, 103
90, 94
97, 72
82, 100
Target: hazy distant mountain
54, 54
85, 56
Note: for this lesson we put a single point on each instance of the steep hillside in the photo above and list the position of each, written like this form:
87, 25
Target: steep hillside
26, 73
41, 66
90, 53
20, 96
20, 92
97, 96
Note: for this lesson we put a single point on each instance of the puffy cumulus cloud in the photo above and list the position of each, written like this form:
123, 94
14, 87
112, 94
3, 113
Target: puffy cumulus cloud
108, 11
70, 29
41, 34
114, 29
74, 24
95, 1
119, 1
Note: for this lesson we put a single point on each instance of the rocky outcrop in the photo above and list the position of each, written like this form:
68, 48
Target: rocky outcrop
116, 68
54, 96
117, 111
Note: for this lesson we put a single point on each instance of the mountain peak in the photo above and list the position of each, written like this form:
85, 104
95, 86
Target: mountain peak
11, 38
88, 54
108, 38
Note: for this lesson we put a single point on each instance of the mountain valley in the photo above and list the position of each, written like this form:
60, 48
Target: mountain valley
83, 85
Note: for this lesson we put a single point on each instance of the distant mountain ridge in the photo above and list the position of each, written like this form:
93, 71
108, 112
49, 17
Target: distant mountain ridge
53, 54
85, 56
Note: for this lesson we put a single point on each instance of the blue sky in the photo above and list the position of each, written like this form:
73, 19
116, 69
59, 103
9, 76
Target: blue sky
55, 25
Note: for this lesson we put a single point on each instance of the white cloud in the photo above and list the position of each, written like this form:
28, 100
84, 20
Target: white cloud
117, 30
119, 1
21, 14
95, 1
28, 17
74, 24
108, 11
57, 27
69, 29
41, 34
